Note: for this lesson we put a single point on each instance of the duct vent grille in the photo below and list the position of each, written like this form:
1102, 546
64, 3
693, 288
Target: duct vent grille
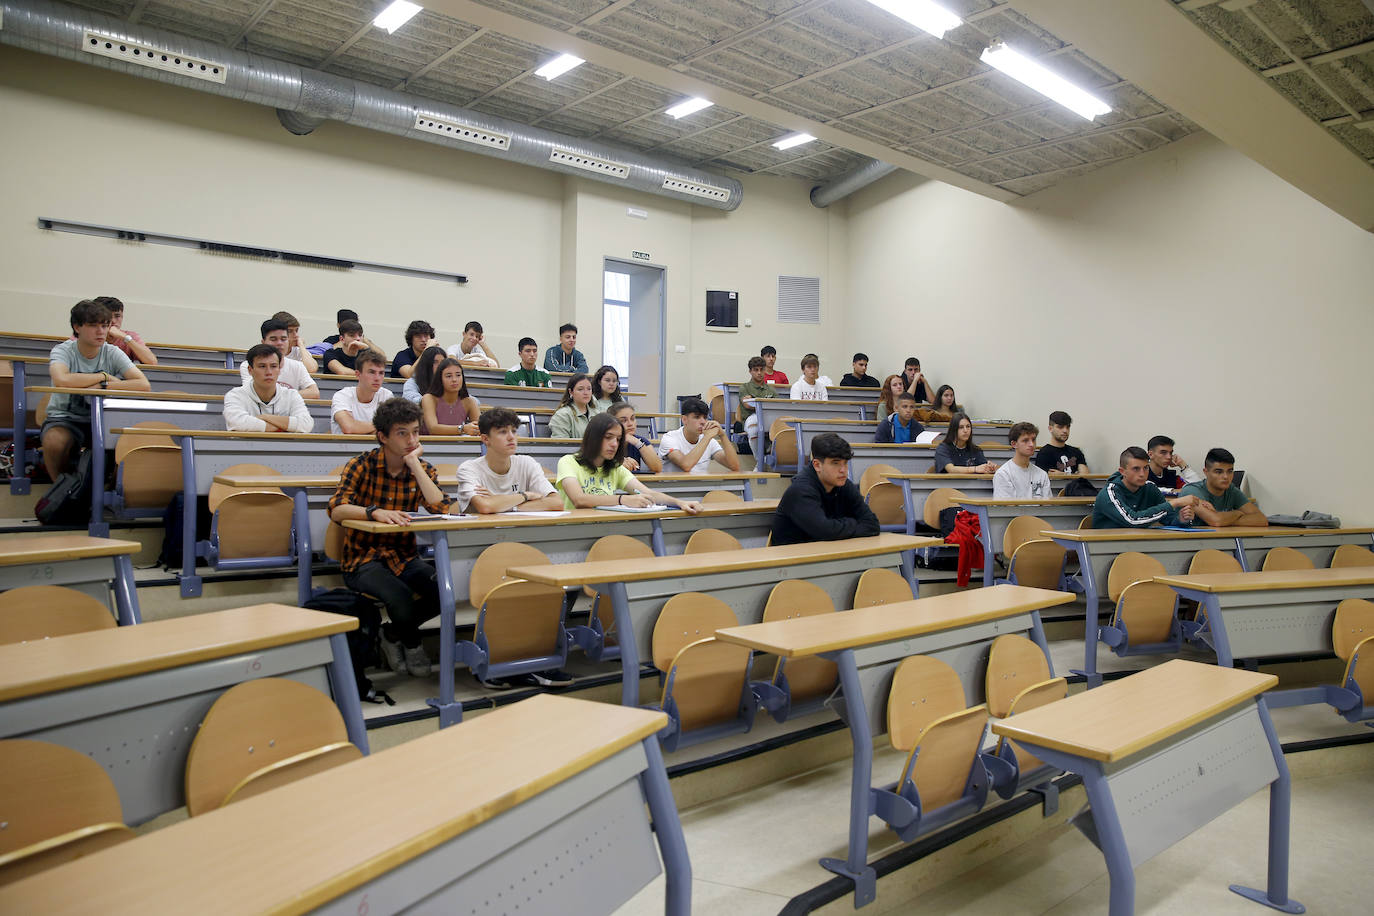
694, 189
157, 58
460, 131
589, 163
799, 299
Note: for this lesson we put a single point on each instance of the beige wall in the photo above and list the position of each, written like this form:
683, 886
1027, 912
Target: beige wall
1187, 292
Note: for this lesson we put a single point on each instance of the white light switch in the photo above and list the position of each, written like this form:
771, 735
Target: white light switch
680, 348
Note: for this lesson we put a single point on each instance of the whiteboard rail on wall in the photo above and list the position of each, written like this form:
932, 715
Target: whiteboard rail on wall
246, 251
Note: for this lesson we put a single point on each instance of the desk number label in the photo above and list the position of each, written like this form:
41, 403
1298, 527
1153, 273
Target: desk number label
253, 665
362, 906
40, 572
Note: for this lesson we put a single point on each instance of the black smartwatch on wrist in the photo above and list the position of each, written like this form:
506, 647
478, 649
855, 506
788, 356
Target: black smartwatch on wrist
369, 510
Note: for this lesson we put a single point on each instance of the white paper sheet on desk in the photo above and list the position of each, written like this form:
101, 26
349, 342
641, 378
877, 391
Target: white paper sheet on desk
928, 436
536, 513
654, 508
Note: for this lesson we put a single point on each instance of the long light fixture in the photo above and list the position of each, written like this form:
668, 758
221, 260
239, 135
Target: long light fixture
926, 15
792, 140
1020, 67
558, 66
396, 15
691, 106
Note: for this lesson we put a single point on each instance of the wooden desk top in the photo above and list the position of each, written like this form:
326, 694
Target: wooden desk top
871, 625
1278, 578
22, 549
368, 441
214, 400
1058, 501
323, 481
1123, 717
1053, 476
497, 386
63, 662
296, 848
567, 575
1094, 535
17, 358
926, 447
574, 517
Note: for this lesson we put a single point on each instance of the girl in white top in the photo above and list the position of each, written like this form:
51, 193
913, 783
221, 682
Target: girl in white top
594, 475
606, 388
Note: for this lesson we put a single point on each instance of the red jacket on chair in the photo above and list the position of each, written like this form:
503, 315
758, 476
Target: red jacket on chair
966, 535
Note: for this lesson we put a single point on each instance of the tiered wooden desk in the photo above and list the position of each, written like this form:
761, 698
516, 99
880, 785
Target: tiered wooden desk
995, 514
96, 566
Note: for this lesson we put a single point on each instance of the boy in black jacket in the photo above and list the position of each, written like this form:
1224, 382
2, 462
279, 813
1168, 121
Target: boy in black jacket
822, 504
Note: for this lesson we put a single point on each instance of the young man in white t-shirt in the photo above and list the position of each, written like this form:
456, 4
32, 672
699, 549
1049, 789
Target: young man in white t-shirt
293, 373
473, 349
500, 480
351, 409
811, 386
1019, 478
260, 405
692, 446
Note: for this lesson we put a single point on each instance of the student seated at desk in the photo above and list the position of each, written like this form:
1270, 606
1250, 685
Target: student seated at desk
811, 386
564, 355
1129, 500
700, 440
472, 349
501, 480
128, 341
569, 421
85, 361
957, 454
640, 456
418, 336
447, 409
894, 386
1059, 456
351, 409
342, 358
772, 376
902, 426
1019, 478
340, 317
859, 377
382, 485
292, 373
915, 381
822, 503
606, 388
527, 374
426, 369
596, 475
294, 348
944, 407
1168, 470
757, 387
261, 405
1219, 502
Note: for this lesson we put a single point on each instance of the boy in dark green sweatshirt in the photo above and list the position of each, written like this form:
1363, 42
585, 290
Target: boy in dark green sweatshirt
1129, 500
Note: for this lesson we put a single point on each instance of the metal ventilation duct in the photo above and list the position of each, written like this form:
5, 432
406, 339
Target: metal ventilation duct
305, 98
861, 177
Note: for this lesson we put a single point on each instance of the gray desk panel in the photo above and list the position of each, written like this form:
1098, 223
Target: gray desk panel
91, 576
140, 728
1174, 553
19, 345
1283, 621
307, 457
1317, 547
751, 530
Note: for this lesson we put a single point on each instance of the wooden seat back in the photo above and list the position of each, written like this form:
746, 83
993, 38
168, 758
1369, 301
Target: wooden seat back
489, 569
886, 502
880, 585
252, 522
939, 500
56, 804
784, 437
1360, 671
810, 676
1033, 697
722, 496
129, 441
711, 540
1014, 663
715, 400
261, 734
1281, 558
1146, 610
945, 753
687, 618
1038, 564
1131, 566
706, 682
1354, 623
39, 611
923, 690
1086, 522
446, 470
521, 620
613, 547
873, 475
1348, 555
1213, 561
150, 467
1021, 529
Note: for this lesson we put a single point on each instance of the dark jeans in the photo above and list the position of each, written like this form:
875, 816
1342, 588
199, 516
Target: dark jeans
410, 598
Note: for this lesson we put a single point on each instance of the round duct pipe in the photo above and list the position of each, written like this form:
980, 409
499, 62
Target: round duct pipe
861, 177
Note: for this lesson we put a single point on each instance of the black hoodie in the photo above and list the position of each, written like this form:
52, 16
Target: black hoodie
807, 513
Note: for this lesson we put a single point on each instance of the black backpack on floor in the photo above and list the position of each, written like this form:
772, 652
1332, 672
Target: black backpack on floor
363, 645
68, 500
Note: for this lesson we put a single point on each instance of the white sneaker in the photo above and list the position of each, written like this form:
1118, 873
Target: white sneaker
417, 662
393, 654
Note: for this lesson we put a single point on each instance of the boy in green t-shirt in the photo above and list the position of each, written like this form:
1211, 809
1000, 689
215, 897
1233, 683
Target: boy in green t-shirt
756, 387
528, 374
1220, 503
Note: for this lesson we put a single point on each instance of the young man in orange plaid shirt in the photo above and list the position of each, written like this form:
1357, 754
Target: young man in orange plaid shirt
384, 485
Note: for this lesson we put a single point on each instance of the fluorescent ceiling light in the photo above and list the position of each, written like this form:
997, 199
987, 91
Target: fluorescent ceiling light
924, 14
691, 106
396, 15
1020, 67
558, 66
793, 140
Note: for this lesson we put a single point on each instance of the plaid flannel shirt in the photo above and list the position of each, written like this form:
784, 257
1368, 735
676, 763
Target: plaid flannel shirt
365, 482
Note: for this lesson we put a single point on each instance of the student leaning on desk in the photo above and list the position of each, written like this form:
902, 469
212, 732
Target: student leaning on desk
597, 476
1129, 500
